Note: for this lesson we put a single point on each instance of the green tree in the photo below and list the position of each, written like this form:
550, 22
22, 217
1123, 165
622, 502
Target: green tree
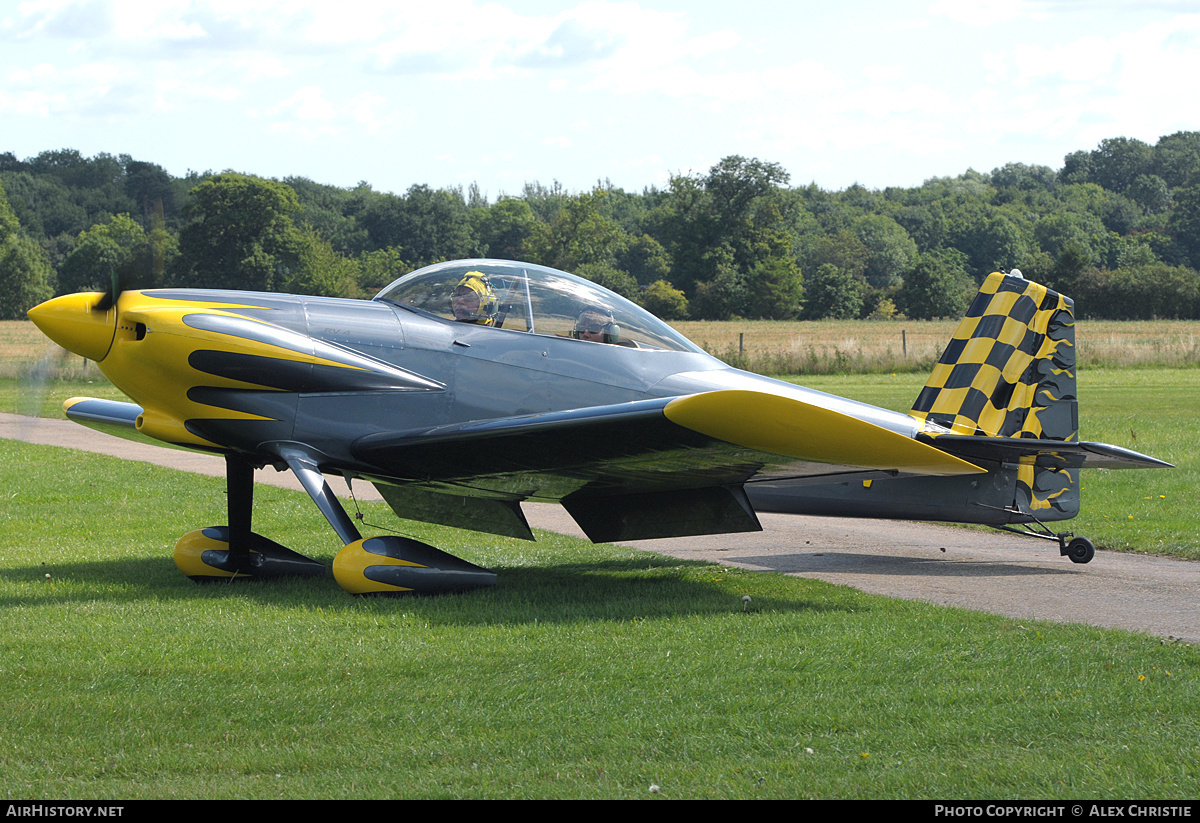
321, 270
332, 212
1073, 259
664, 300
1184, 222
1177, 158
1055, 232
578, 235
546, 201
9, 225
724, 296
25, 274
991, 240
645, 259
1150, 192
504, 228
1118, 161
731, 217
937, 286
925, 224
378, 269
434, 225
44, 205
95, 185
118, 248
688, 231
1122, 214
891, 251
152, 188
610, 277
774, 285
1022, 177
239, 233
745, 201
1077, 168
1139, 293
842, 249
832, 292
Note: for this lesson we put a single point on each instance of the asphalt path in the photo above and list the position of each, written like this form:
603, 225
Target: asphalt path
975, 569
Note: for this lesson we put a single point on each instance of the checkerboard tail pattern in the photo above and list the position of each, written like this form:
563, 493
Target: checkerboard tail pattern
1009, 371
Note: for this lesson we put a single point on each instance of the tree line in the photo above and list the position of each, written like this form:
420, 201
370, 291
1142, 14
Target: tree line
1117, 228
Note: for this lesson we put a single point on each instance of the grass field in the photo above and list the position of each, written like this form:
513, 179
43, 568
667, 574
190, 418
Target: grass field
867, 346
588, 671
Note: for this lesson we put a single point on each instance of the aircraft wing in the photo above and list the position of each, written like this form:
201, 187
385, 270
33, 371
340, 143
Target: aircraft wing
652, 468
663, 467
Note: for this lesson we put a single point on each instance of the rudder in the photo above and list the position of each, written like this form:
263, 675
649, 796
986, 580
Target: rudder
1009, 371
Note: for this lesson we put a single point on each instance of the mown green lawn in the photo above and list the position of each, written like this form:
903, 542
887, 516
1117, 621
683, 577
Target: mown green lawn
588, 671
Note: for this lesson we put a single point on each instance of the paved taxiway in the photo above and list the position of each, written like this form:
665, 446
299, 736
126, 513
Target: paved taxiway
976, 569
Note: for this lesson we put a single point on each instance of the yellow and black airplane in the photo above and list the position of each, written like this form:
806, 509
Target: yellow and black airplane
468, 387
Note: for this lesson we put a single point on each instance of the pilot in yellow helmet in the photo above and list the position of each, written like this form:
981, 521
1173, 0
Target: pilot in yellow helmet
473, 300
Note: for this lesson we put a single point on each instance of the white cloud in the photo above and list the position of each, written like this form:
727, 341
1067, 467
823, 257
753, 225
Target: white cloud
882, 74
661, 89
307, 104
37, 104
980, 12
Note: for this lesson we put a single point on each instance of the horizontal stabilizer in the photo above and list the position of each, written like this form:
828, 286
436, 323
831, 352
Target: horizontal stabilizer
1048, 454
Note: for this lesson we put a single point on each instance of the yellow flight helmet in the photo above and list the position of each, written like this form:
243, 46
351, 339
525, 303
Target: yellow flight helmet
477, 282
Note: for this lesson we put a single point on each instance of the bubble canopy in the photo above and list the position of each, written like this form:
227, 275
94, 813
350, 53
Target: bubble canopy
533, 299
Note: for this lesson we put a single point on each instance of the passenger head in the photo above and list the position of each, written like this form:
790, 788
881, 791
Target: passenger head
595, 323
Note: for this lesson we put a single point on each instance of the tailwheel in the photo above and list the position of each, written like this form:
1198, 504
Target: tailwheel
1080, 550
204, 555
399, 565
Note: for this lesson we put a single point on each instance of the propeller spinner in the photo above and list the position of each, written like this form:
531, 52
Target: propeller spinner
83, 323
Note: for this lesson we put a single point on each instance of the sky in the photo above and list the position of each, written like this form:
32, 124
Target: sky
505, 93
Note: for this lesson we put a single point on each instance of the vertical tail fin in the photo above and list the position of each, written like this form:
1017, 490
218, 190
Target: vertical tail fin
1009, 371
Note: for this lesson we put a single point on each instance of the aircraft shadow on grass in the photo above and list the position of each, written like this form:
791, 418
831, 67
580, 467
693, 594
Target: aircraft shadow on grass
620, 589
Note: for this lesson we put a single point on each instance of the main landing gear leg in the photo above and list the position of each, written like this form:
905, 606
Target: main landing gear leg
239, 489
235, 551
